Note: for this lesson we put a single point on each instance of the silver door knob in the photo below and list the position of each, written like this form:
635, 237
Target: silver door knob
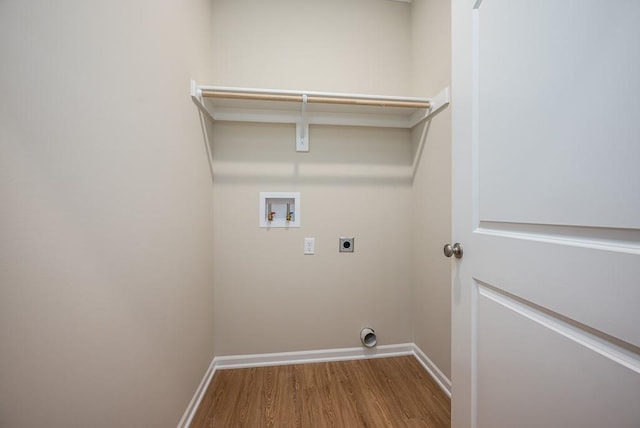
455, 250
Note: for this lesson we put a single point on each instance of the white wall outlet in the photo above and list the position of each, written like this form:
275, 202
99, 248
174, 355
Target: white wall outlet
309, 245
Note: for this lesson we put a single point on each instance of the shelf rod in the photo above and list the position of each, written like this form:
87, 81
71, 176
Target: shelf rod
369, 102
316, 99
248, 96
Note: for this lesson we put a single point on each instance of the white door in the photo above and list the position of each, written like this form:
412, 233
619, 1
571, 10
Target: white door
546, 134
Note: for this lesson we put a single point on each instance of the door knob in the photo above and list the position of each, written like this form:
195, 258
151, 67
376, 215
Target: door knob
455, 250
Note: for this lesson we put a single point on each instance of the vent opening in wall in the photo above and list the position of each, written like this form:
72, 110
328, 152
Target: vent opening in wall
279, 209
368, 337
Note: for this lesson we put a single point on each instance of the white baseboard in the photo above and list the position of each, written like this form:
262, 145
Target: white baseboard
306, 357
188, 415
317, 356
433, 370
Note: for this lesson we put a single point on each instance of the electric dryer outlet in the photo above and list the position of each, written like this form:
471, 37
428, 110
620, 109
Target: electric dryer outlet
346, 244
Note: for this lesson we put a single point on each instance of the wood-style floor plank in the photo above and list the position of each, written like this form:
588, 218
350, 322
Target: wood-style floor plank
382, 392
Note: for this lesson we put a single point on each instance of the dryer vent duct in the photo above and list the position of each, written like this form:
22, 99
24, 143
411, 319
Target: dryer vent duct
368, 337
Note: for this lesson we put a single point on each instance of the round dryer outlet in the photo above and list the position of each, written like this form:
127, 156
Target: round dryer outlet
346, 244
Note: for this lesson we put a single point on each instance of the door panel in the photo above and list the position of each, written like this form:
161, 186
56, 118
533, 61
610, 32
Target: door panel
598, 287
566, 377
555, 77
546, 198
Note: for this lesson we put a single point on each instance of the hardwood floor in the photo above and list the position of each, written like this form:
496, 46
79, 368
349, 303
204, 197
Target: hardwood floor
383, 392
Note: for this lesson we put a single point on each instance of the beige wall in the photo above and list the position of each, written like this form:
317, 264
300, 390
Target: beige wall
330, 45
269, 297
105, 214
431, 197
107, 261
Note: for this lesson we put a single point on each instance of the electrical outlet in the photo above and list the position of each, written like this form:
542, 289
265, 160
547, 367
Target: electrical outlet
346, 244
309, 246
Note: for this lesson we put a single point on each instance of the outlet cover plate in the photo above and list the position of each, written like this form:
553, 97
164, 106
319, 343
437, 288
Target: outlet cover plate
346, 244
309, 246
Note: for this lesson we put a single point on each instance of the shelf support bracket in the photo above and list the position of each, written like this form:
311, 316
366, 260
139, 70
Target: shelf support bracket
302, 128
437, 104
196, 97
